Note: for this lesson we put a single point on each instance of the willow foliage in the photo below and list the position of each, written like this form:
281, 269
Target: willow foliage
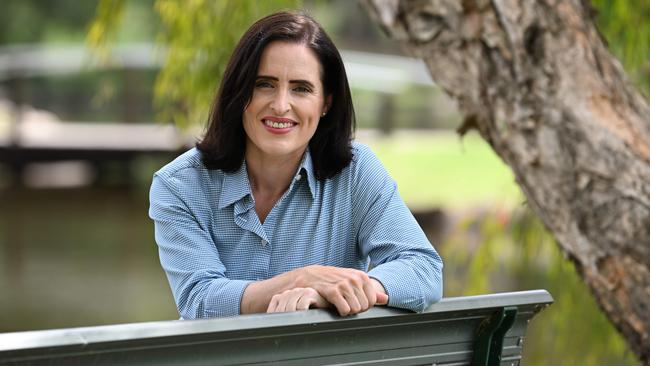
626, 26
198, 37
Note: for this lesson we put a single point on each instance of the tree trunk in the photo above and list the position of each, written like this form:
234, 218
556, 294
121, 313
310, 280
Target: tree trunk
538, 82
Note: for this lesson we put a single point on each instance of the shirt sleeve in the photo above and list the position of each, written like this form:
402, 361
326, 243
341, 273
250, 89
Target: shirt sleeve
190, 258
404, 261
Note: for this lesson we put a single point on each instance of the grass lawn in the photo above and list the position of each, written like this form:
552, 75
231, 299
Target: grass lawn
439, 169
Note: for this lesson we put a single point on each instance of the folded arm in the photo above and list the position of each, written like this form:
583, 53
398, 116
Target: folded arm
350, 291
198, 280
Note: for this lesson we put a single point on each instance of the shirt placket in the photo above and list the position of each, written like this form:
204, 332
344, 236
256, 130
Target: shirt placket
246, 218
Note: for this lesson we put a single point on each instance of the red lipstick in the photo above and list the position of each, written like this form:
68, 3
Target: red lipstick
278, 125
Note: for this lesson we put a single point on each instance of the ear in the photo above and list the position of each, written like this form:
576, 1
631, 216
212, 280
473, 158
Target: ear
328, 104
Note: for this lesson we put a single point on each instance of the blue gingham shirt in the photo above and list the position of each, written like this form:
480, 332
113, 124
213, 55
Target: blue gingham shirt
212, 244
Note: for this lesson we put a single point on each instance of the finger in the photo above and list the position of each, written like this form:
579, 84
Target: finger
273, 305
311, 298
369, 297
382, 298
283, 300
353, 302
349, 293
321, 302
293, 298
362, 298
371, 293
304, 302
361, 287
308, 298
340, 303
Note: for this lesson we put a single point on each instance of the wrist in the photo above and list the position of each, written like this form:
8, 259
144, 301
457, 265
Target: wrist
297, 277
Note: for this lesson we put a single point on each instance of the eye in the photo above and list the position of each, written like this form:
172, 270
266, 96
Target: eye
263, 84
302, 89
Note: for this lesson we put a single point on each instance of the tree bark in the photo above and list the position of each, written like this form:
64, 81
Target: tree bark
537, 81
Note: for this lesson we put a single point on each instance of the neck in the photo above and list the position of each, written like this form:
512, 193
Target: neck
270, 177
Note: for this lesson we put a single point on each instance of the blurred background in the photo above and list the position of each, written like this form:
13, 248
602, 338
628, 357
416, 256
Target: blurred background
97, 95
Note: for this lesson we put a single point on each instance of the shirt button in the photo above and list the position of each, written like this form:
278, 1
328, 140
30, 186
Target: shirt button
264, 242
298, 177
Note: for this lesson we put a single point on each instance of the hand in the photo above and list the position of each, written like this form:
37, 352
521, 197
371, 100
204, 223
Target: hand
351, 291
299, 298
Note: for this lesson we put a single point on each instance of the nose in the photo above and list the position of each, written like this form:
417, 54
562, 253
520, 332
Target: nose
280, 103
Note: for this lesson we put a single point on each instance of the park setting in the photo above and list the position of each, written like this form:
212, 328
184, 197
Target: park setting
516, 132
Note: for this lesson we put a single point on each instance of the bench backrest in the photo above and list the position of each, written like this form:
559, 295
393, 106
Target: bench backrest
474, 330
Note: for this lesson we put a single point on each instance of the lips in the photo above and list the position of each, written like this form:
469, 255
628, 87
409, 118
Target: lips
278, 123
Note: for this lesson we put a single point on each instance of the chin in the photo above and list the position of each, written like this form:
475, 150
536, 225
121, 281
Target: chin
280, 150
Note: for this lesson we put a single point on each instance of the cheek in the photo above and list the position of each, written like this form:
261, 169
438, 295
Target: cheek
248, 118
251, 110
315, 109
253, 105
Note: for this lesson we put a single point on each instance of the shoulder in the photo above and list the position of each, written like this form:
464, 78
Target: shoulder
368, 182
187, 172
365, 163
361, 151
186, 163
365, 175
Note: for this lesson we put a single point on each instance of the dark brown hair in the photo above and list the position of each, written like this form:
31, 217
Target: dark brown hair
224, 144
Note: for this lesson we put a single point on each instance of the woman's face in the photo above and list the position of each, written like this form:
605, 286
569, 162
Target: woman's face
287, 102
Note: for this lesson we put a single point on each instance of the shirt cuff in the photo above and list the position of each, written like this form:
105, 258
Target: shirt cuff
225, 300
403, 289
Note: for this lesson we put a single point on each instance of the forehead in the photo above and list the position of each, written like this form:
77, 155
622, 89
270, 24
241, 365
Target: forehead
289, 60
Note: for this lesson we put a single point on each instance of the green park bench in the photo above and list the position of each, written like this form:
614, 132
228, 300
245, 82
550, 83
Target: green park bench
472, 330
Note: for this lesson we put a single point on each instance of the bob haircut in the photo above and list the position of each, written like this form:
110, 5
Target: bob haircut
224, 144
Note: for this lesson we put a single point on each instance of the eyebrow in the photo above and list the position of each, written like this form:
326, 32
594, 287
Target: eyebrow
297, 81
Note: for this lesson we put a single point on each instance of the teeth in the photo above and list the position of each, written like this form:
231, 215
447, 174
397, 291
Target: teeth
278, 124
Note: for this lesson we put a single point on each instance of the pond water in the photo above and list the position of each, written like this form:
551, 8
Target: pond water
78, 257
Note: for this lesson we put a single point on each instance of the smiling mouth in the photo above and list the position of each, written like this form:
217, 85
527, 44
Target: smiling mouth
279, 125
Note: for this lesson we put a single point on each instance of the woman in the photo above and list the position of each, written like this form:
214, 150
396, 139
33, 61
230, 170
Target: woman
276, 209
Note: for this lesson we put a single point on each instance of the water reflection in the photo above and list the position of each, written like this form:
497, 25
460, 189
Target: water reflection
78, 257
